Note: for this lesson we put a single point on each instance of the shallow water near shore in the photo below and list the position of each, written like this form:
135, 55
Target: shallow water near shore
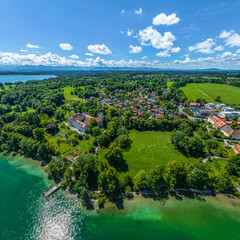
25, 213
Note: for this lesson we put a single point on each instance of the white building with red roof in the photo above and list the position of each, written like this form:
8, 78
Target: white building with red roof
81, 120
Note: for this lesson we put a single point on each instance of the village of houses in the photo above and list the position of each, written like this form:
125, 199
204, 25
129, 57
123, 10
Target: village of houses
145, 104
219, 116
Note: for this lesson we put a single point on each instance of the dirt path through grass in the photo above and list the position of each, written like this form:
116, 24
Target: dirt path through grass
203, 92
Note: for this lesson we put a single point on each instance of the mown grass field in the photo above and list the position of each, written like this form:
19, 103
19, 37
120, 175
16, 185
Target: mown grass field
68, 96
229, 94
169, 84
151, 148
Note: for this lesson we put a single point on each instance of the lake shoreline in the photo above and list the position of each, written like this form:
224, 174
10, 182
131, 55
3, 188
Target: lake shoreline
161, 196
26, 214
13, 78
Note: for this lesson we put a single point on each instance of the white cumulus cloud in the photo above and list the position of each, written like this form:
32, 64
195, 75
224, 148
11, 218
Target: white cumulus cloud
24, 50
150, 36
123, 11
88, 54
225, 34
233, 40
129, 32
175, 49
204, 47
135, 49
65, 46
145, 57
139, 11
227, 60
219, 48
163, 19
227, 55
99, 49
74, 56
32, 46
164, 53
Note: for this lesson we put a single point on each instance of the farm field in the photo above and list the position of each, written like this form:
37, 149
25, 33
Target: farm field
229, 94
149, 149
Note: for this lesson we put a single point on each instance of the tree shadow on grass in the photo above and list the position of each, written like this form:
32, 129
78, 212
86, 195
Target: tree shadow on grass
178, 195
90, 206
195, 195
122, 167
119, 204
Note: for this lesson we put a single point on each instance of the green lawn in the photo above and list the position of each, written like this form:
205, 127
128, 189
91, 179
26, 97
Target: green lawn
169, 84
215, 166
67, 94
229, 94
63, 148
151, 148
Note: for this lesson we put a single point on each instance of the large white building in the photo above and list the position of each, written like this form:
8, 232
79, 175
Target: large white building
81, 120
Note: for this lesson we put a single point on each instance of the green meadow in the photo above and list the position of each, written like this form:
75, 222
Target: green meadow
229, 94
150, 149
68, 95
169, 84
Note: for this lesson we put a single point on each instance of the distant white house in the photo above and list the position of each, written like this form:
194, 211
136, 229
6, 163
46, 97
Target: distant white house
206, 111
227, 130
221, 106
230, 115
194, 106
211, 105
151, 100
228, 109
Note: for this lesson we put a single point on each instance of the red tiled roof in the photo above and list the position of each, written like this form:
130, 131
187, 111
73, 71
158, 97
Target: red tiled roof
88, 116
98, 119
80, 123
237, 149
220, 124
195, 104
215, 118
141, 114
159, 116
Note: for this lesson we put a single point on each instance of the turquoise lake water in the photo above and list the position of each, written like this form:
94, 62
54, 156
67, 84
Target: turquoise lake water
23, 78
25, 213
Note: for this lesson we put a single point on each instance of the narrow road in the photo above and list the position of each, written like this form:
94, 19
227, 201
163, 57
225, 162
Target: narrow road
96, 150
209, 154
80, 149
189, 117
67, 158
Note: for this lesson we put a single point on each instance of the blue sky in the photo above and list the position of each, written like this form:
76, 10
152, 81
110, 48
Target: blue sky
160, 34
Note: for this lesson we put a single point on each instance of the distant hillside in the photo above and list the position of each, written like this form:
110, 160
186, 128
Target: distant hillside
40, 69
